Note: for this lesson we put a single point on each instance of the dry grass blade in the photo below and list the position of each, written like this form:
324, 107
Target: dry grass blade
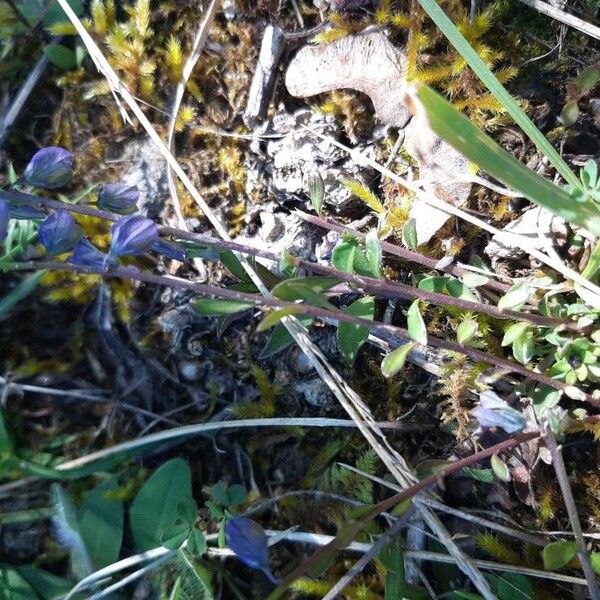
564, 17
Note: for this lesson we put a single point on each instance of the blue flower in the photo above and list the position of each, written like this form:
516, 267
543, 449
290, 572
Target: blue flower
133, 235
49, 168
495, 412
170, 250
248, 541
59, 232
87, 255
118, 198
4, 219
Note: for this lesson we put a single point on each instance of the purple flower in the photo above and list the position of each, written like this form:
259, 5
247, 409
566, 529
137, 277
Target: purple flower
248, 541
133, 235
87, 255
119, 198
49, 168
59, 232
4, 219
495, 412
170, 250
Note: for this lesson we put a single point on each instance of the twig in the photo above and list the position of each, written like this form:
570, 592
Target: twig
564, 17
253, 299
383, 288
567, 494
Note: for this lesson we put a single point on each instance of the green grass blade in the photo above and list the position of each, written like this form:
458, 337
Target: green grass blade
457, 130
454, 36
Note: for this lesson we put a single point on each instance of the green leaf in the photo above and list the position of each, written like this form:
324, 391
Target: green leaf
587, 79
275, 316
458, 289
456, 129
372, 256
557, 554
342, 256
155, 506
514, 332
219, 493
295, 289
195, 579
68, 532
61, 56
187, 511
570, 113
7, 444
409, 234
47, 585
466, 330
13, 586
483, 475
395, 360
209, 307
236, 494
514, 586
516, 297
392, 558
435, 284
595, 562
101, 524
351, 337
482, 71
415, 324
20, 292
523, 347
280, 338
499, 468
316, 191
196, 543
173, 536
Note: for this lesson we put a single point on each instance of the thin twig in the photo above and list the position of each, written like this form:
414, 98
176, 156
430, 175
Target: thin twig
381, 287
564, 17
132, 273
567, 494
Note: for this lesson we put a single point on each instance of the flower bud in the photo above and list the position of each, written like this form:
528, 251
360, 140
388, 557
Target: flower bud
248, 541
59, 232
87, 255
49, 168
133, 235
118, 198
495, 412
4, 219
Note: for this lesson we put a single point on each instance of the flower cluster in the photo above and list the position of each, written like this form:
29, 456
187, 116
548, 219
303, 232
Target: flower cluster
132, 234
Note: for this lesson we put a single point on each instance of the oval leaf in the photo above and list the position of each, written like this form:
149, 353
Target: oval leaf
416, 325
395, 360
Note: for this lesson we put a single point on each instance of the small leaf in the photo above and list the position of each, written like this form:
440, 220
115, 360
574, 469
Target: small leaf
513, 332
61, 56
435, 284
395, 360
409, 234
557, 554
373, 254
458, 289
274, 317
416, 325
295, 289
483, 475
196, 543
342, 256
515, 298
351, 337
173, 536
569, 113
210, 307
280, 338
523, 347
187, 511
237, 494
316, 191
499, 468
595, 561
514, 586
587, 79
466, 330
155, 505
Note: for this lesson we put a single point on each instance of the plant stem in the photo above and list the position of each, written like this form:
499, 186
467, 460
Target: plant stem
387, 289
405, 253
132, 273
567, 494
